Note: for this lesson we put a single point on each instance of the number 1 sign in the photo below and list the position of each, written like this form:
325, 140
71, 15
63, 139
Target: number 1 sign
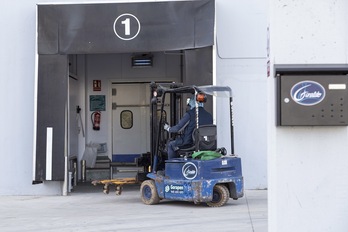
126, 26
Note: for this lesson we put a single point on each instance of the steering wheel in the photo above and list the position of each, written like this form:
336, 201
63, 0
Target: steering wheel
222, 150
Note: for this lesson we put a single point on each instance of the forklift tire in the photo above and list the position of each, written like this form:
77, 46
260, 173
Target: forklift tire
220, 196
149, 193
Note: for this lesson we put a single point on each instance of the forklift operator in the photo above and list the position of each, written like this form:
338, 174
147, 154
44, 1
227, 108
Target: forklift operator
187, 124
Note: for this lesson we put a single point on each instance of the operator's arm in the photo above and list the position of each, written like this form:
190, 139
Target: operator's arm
181, 125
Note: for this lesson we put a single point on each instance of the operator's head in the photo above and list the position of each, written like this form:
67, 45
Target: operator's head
192, 102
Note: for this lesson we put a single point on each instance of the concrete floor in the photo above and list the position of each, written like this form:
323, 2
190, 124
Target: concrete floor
88, 209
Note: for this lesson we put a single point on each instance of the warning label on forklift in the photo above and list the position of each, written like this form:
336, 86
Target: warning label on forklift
174, 188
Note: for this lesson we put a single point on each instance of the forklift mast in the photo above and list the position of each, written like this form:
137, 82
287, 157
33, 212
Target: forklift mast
159, 116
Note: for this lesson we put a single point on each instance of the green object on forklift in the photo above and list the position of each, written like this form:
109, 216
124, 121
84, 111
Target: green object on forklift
206, 155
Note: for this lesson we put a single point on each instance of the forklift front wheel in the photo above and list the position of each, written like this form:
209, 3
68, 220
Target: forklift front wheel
149, 193
220, 196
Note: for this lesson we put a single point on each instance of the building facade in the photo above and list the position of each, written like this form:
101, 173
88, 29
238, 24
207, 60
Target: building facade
303, 167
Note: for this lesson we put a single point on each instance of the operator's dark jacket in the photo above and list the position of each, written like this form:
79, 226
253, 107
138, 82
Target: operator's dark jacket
190, 118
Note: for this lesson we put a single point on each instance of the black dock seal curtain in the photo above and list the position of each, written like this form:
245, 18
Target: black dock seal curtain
89, 28
65, 29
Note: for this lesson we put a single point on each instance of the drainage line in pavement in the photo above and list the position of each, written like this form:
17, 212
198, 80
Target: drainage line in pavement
251, 220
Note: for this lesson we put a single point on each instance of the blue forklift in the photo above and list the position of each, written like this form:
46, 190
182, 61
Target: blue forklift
203, 173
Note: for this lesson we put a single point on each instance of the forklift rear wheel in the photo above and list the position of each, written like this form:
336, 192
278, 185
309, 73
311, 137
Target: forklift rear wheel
149, 193
220, 196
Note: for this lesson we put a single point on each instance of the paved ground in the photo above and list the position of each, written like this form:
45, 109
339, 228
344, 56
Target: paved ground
88, 209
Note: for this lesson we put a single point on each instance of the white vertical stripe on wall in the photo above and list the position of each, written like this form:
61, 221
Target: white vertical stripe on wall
49, 139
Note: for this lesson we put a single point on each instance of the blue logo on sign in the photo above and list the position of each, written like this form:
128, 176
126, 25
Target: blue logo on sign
307, 93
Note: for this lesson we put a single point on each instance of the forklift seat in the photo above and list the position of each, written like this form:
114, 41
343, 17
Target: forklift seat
204, 139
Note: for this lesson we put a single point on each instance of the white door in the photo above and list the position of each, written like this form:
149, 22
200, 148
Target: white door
130, 121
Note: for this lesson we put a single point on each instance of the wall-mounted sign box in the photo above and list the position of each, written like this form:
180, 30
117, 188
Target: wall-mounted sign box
97, 102
312, 95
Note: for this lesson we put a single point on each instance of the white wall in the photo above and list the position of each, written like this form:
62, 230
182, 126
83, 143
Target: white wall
307, 165
241, 64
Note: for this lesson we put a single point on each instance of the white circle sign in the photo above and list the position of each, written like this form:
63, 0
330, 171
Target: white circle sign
189, 170
126, 26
